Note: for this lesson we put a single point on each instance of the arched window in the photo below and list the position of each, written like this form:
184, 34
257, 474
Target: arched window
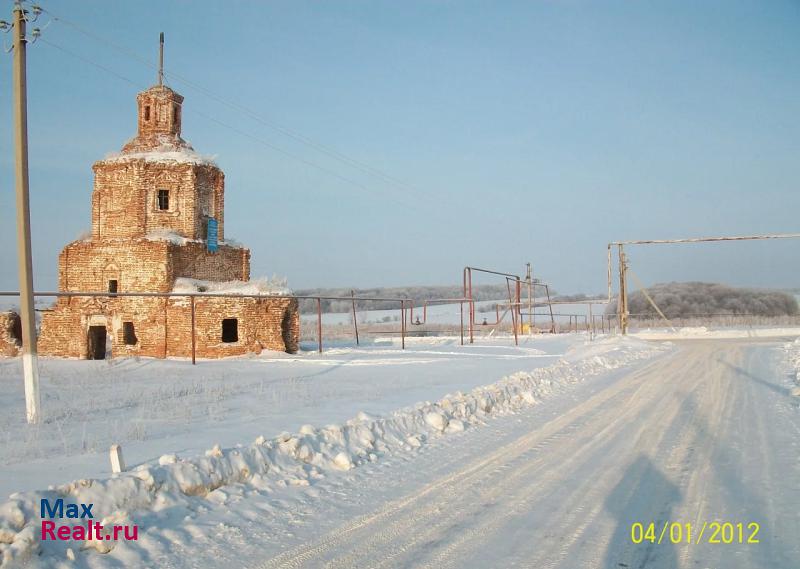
163, 200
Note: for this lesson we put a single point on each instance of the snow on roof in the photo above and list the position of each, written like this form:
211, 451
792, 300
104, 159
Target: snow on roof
262, 286
164, 154
169, 235
178, 239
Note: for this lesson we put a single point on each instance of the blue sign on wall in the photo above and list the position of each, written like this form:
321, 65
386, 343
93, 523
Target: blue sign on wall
213, 235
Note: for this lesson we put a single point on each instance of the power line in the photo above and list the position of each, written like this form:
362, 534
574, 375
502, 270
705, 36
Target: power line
318, 146
422, 197
90, 62
237, 130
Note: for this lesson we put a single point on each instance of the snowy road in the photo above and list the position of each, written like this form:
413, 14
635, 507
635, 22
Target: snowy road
709, 433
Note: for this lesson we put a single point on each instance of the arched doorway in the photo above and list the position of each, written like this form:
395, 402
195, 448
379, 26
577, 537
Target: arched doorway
96, 343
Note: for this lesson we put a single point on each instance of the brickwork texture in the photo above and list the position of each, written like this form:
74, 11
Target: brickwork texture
151, 206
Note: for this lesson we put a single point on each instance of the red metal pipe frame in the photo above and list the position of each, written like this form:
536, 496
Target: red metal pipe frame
513, 311
462, 323
513, 276
319, 323
166, 301
496, 320
355, 320
403, 324
471, 307
193, 340
515, 314
514, 305
518, 328
431, 301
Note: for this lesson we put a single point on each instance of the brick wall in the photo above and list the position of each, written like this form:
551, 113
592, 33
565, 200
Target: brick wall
159, 113
194, 261
137, 265
125, 211
125, 198
141, 265
263, 323
163, 327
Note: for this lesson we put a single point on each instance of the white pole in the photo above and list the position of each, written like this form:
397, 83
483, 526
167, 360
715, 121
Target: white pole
28, 316
117, 462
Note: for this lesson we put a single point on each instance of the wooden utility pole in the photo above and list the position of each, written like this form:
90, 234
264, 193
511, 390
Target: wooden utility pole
622, 306
25, 264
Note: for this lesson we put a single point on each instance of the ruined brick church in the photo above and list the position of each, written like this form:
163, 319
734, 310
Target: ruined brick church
158, 227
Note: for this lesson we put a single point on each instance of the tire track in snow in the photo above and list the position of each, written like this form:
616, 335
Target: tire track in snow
486, 492
410, 512
678, 413
572, 519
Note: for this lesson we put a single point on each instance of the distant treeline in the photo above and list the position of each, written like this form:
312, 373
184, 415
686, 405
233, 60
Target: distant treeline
418, 293
682, 300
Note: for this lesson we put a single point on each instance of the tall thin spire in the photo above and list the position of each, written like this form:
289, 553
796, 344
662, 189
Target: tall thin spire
161, 60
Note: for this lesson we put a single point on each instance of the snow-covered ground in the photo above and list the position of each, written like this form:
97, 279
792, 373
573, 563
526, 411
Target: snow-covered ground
700, 332
707, 435
153, 407
792, 350
185, 430
427, 458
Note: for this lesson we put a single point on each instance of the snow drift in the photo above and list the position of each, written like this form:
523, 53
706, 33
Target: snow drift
296, 459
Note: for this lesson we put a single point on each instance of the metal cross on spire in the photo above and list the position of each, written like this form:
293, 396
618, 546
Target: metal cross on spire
161, 60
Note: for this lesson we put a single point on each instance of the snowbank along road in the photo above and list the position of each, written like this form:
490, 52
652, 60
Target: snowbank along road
706, 435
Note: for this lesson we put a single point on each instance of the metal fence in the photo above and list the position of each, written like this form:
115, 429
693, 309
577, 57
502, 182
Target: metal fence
411, 318
310, 331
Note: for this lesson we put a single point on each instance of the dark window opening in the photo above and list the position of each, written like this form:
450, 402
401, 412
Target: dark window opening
113, 285
97, 343
176, 114
147, 112
163, 200
129, 334
230, 330
288, 333
16, 330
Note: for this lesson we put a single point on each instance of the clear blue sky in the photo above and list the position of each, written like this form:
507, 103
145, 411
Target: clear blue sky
522, 130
